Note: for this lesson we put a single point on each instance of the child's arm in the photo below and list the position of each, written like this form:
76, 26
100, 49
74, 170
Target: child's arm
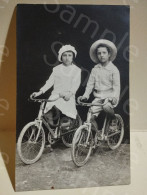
116, 84
49, 83
90, 85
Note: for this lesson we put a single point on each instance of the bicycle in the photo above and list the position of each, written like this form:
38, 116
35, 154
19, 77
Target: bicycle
85, 140
31, 141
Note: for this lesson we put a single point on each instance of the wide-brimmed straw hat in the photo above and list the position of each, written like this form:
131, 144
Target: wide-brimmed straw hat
109, 44
65, 48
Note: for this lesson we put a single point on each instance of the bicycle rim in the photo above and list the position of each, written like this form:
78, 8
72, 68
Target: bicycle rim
81, 147
30, 149
114, 139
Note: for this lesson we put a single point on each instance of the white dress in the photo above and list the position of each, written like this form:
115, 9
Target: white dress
63, 79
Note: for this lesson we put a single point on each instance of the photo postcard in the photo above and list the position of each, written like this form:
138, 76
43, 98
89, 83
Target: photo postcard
73, 128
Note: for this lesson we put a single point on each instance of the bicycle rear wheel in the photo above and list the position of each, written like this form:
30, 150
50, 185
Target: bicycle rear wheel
114, 138
30, 149
68, 137
81, 146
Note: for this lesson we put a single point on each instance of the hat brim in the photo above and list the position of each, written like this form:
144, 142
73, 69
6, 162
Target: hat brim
66, 48
109, 44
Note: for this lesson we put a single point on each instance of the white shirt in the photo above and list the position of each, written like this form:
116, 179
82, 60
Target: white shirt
104, 82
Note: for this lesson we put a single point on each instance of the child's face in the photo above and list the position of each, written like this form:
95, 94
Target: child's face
67, 58
103, 54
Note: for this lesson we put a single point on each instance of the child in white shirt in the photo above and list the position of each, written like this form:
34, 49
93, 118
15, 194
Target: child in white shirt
104, 80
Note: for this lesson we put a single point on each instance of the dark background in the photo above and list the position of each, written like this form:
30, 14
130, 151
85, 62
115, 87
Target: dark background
37, 31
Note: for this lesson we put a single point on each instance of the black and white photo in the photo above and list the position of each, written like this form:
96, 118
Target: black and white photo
73, 128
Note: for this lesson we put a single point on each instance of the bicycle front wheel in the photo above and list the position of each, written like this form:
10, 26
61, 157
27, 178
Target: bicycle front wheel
115, 137
29, 147
81, 146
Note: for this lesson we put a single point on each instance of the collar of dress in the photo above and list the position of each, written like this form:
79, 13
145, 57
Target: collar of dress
67, 66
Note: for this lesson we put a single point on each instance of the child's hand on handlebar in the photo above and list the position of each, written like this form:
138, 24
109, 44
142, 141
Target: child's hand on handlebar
112, 100
82, 98
35, 94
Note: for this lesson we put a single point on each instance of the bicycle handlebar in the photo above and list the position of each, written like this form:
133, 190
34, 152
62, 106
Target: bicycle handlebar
83, 103
91, 104
78, 100
42, 100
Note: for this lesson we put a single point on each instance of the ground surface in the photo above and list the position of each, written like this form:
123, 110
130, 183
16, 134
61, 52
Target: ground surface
55, 170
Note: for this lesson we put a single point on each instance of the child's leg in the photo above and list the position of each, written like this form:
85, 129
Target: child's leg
108, 108
52, 115
95, 110
56, 113
68, 122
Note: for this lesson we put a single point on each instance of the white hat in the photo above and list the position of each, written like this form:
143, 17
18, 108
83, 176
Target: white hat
109, 44
65, 48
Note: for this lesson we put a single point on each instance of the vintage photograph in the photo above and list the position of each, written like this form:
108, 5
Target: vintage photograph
73, 124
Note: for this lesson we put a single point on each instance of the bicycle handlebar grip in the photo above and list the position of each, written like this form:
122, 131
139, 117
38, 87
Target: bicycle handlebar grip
32, 97
79, 100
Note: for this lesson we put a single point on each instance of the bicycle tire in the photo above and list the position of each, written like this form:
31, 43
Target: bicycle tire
29, 151
80, 138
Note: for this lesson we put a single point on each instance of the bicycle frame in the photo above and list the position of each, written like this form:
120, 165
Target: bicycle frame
88, 122
54, 134
103, 137
40, 120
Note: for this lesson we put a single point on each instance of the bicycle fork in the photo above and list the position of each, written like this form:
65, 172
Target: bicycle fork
88, 128
38, 122
39, 125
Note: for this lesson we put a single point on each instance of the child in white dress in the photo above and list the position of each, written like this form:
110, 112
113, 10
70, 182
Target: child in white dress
65, 80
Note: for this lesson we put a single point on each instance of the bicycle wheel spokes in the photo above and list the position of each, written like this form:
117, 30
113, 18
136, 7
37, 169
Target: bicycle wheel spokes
115, 137
32, 146
82, 145
29, 146
68, 138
